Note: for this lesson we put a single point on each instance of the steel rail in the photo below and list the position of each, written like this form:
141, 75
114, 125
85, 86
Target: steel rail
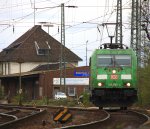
13, 116
86, 124
144, 116
16, 119
147, 118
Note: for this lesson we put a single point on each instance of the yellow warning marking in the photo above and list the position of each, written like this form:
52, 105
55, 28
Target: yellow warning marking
66, 117
60, 115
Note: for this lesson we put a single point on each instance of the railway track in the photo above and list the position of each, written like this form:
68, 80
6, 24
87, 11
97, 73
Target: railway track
46, 119
118, 119
9, 115
33, 118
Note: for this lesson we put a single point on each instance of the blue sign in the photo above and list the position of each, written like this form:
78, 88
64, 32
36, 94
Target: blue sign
81, 73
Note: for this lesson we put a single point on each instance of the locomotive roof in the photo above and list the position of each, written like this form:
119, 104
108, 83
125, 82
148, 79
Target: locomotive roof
114, 51
113, 46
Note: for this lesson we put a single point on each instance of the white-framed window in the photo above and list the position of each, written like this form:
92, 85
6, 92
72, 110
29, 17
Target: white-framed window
71, 91
42, 51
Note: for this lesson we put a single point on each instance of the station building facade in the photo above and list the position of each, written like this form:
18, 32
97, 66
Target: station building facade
39, 84
32, 65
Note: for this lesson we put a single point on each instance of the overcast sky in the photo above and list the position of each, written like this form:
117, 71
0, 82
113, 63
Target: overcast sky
17, 16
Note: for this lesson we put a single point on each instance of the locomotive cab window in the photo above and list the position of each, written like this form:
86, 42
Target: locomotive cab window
104, 60
123, 60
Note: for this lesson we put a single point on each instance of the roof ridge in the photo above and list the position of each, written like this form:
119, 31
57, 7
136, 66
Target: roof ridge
24, 47
34, 28
32, 32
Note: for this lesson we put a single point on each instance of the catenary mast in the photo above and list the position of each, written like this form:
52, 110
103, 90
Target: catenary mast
136, 29
145, 34
140, 37
118, 38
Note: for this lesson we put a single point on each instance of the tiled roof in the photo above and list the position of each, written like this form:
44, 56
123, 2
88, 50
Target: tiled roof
30, 45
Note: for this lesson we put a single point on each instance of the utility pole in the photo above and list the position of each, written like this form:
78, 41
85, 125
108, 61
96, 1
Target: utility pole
86, 52
119, 23
62, 53
145, 34
34, 12
136, 29
20, 85
62, 58
20, 61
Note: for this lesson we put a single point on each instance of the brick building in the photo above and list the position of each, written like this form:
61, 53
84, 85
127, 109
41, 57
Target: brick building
39, 84
32, 62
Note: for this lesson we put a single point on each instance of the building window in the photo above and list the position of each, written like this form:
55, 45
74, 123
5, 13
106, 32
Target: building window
86, 89
44, 50
71, 91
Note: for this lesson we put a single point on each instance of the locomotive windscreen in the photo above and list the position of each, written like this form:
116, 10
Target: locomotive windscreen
123, 60
104, 60
113, 60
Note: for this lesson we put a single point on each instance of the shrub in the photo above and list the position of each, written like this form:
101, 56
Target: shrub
143, 86
85, 99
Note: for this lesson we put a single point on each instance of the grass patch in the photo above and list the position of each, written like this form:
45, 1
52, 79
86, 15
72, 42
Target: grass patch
53, 102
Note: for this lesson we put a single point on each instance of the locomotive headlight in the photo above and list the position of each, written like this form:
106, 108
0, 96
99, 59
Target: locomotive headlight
128, 84
113, 71
100, 84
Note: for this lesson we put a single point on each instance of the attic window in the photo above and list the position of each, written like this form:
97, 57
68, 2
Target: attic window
42, 49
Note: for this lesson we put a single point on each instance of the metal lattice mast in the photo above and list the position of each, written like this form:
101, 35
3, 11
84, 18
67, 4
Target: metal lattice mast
119, 22
136, 29
145, 14
139, 52
63, 43
63, 53
145, 36
62, 25
133, 26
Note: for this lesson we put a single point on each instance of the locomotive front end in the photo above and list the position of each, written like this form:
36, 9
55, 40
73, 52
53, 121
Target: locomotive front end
113, 77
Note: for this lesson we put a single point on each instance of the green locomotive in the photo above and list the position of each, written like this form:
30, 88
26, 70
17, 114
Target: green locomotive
113, 76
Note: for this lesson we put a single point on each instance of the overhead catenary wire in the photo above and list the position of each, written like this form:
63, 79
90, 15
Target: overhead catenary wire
25, 16
15, 20
74, 24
